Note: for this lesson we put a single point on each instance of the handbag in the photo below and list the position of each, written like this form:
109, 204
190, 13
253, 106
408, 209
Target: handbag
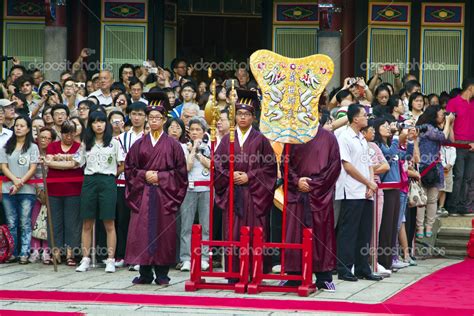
416, 195
430, 176
40, 230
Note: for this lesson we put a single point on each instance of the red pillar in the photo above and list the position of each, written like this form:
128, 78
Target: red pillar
348, 39
78, 33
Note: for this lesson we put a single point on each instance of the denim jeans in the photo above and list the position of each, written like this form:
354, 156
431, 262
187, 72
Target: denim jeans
18, 209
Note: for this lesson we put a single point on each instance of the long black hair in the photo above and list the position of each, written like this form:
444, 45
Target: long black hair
430, 116
378, 137
11, 143
89, 137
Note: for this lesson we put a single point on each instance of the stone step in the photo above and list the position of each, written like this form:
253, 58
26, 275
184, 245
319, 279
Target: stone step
456, 233
456, 222
451, 244
455, 253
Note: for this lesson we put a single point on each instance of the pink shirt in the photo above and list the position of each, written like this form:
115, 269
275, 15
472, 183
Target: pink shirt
376, 158
463, 127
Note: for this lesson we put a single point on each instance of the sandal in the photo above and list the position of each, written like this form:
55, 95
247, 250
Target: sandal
47, 262
70, 262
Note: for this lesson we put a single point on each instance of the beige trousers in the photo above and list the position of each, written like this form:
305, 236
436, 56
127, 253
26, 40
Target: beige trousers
428, 211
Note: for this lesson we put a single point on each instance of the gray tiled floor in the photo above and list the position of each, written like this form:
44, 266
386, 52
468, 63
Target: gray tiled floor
40, 277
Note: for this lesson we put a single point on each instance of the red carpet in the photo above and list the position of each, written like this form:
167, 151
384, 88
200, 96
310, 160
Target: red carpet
448, 291
452, 286
5, 312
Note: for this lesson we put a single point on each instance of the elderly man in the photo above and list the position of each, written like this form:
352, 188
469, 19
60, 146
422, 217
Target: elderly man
189, 111
106, 79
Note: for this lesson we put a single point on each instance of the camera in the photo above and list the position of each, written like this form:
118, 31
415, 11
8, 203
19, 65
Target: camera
403, 125
389, 67
203, 148
50, 93
422, 128
80, 84
447, 113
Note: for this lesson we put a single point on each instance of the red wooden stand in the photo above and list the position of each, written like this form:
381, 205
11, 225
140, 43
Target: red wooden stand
197, 280
307, 287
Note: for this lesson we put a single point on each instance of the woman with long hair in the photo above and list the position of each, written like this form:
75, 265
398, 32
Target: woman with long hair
387, 138
101, 156
19, 158
430, 141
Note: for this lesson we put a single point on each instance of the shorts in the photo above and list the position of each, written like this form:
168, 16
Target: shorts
448, 181
98, 196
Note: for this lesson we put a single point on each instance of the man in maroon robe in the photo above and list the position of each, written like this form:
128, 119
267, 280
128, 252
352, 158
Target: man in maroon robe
156, 183
255, 174
314, 168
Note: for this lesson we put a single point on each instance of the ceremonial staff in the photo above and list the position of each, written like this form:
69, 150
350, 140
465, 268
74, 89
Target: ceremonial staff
212, 115
233, 99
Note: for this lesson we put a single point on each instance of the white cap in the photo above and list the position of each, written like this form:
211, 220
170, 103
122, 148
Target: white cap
6, 102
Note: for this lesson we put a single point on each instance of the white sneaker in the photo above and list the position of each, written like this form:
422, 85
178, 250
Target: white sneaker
187, 266
120, 263
399, 264
84, 265
382, 271
204, 265
276, 269
110, 265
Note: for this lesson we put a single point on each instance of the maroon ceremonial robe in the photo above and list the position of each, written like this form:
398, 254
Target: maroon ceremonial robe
252, 201
152, 230
319, 160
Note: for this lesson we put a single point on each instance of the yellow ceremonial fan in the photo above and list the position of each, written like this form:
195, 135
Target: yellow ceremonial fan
291, 88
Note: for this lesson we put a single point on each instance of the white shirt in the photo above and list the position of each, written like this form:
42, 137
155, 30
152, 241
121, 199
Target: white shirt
242, 138
102, 160
5, 135
448, 155
154, 140
126, 140
355, 150
103, 99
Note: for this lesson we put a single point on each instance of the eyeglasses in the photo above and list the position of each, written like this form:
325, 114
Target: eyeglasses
158, 118
243, 114
59, 114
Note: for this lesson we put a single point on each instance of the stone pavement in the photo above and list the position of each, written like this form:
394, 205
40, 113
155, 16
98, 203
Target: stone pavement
40, 277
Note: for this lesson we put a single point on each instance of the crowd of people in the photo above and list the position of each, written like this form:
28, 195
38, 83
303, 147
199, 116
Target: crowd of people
381, 150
